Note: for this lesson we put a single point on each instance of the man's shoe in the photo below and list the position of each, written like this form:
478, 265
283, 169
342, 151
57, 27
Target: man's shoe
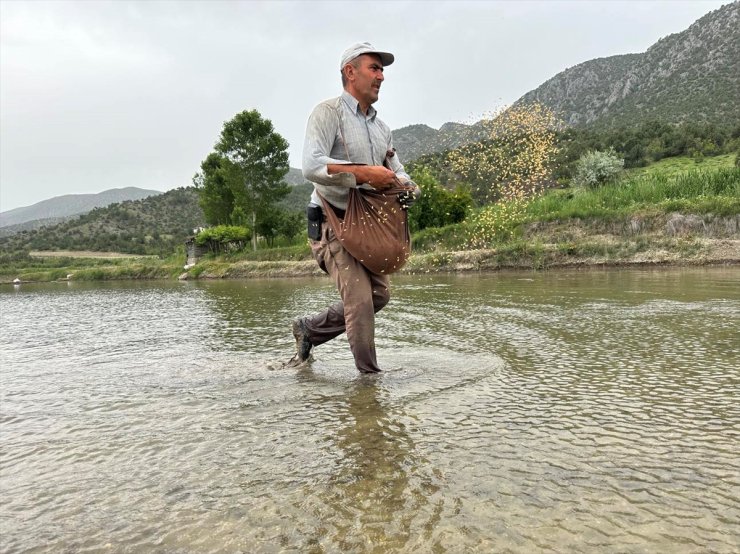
302, 343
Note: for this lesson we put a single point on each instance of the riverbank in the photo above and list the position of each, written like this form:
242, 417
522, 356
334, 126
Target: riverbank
692, 218
544, 247
658, 239
599, 252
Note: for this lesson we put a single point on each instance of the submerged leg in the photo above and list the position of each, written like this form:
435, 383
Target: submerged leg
363, 294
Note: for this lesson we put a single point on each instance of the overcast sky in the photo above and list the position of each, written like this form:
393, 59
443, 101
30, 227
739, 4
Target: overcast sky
97, 95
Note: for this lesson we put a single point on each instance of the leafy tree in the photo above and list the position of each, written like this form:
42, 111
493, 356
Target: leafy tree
275, 222
269, 223
238, 216
216, 197
291, 224
253, 161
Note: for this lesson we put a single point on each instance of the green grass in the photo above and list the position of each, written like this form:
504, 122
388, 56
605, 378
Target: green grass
450, 237
655, 190
55, 269
670, 167
698, 191
134, 271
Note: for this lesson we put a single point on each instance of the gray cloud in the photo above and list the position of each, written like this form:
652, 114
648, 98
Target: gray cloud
99, 95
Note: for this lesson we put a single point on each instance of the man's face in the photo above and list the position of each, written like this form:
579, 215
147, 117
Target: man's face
368, 75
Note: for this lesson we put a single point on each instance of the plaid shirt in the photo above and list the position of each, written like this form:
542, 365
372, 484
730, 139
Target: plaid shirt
367, 140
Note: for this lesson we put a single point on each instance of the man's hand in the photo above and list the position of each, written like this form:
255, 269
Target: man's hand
376, 176
409, 197
379, 177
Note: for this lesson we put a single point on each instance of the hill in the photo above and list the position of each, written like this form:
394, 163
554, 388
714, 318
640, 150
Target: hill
30, 225
294, 177
154, 225
297, 198
415, 141
690, 76
69, 205
693, 75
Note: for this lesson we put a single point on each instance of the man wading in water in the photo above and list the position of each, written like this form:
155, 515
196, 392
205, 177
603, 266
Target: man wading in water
337, 157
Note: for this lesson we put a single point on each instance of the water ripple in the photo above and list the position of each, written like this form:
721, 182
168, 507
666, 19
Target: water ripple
579, 412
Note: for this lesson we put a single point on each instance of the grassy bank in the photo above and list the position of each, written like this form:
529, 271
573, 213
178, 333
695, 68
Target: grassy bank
699, 192
640, 202
675, 211
80, 268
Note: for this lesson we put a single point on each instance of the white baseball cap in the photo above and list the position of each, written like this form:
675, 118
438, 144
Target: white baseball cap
364, 48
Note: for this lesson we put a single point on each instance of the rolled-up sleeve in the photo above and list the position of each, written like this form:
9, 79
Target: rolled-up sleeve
395, 164
397, 167
317, 149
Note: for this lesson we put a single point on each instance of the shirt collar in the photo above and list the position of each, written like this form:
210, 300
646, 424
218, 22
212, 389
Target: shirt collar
354, 105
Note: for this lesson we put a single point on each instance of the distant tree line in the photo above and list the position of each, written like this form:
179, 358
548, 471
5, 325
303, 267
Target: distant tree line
637, 146
648, 142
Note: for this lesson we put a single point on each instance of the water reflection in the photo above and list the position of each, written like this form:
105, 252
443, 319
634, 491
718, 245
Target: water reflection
378, 486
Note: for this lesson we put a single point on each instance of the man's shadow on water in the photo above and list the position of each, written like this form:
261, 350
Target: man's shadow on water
380, 484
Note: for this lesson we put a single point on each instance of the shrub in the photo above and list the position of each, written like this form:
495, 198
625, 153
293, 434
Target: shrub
596, 168
223, 235
437, 206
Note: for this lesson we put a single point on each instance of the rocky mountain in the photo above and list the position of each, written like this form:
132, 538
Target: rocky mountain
59, 208
692, 75
415, 141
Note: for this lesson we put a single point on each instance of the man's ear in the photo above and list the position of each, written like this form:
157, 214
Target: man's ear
349, 71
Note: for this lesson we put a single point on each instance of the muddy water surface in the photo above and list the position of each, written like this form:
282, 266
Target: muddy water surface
524, 412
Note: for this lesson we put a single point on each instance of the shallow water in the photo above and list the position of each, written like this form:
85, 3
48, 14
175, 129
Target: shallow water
589, 411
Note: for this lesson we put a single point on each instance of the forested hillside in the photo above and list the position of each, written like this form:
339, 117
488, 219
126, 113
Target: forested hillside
69, 205
155, 225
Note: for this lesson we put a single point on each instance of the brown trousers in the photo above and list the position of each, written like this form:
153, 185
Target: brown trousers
363, 294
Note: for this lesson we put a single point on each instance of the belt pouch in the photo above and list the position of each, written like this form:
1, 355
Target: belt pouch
314, 215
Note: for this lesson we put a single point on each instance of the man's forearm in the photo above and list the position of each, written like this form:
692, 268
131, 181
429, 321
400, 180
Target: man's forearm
374, 175
359, 171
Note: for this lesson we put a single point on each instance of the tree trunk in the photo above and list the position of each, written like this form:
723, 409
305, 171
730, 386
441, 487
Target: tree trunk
254, 231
